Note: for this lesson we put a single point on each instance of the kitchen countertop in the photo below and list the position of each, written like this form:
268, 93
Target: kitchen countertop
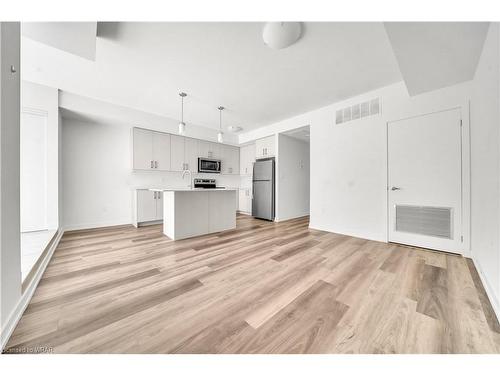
186, 189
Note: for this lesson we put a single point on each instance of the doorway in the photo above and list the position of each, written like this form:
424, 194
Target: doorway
425, 181
35, 234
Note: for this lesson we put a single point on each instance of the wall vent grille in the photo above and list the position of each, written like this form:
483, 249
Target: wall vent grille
357, 111
429, 221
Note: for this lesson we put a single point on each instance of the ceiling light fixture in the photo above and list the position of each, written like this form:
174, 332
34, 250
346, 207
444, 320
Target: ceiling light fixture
279, 35
182, 124
220, 135
234, 128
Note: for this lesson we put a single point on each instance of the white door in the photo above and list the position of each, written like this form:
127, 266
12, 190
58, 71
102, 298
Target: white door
142, 149
424, 181
33, 172
146, 205
191, 154
176, 153
161, 151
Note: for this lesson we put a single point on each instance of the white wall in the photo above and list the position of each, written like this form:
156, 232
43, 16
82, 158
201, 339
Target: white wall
485, 174
293, 178
44, 101
97, 174
10, 246
349, 161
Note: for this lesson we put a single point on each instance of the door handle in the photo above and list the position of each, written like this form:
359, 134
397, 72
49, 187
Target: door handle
395, 188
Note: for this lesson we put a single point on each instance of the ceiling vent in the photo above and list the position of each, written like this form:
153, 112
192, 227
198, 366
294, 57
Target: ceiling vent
357, 111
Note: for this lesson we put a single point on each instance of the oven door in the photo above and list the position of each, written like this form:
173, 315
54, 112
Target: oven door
208, 165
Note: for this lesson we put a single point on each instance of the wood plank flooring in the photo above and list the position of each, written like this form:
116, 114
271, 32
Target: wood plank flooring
261, 288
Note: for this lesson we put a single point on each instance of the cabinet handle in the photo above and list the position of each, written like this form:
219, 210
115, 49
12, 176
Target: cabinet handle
156, 164
154, 194
152, 164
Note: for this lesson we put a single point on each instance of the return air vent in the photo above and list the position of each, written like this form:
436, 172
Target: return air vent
357, 111
429, 221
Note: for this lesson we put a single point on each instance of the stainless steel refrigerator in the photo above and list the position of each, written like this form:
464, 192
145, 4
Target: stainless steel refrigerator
263, 189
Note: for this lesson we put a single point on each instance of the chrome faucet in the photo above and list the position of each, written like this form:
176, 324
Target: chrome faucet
190, 177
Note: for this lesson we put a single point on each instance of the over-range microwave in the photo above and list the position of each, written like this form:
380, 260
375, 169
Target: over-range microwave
209, 165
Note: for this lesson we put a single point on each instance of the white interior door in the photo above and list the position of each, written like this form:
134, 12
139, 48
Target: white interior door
425, 181
33, 171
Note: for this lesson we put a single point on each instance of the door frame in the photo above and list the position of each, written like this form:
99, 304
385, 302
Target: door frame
44, 114
464, 111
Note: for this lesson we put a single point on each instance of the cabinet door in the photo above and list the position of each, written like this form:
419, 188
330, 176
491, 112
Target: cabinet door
226, 161
191, 154
142, 145
159, 205
260, 147
234, 160
161, 151
247, 157
203, 147
209, 150
177, 151
270, 146
242, 201
146, 205
264, 147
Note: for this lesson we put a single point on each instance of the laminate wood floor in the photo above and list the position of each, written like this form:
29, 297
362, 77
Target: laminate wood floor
261, 288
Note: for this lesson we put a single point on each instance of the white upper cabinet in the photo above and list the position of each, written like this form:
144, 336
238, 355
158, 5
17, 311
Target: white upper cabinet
161, 151
264, 147
150, 150
247, 158
184, 153
230, 158
142, 141
177, 149
209, 150
191, 154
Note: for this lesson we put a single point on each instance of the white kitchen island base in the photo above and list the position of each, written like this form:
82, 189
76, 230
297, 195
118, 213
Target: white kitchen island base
190, 213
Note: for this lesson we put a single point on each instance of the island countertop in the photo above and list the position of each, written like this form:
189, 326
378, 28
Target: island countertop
186, 189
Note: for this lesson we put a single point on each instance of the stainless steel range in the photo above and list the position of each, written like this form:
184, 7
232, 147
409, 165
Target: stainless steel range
205, 183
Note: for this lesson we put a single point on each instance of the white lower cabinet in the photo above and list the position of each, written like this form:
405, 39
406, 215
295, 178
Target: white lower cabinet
245, 201
148, 206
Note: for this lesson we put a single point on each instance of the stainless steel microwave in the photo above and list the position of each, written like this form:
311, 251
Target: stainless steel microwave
209, 165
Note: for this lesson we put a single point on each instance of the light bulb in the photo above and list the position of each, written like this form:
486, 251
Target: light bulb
220, 137
182, 128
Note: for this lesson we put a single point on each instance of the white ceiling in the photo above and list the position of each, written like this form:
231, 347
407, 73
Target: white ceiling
433, 55
145, 65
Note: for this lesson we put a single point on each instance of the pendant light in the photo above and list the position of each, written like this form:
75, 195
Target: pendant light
182, 124
220, 135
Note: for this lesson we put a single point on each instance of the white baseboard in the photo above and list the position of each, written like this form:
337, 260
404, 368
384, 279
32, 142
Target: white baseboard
16, 315
487, 286
348, 233
96, 225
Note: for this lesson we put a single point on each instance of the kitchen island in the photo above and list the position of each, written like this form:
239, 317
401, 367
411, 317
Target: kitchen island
195, 212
